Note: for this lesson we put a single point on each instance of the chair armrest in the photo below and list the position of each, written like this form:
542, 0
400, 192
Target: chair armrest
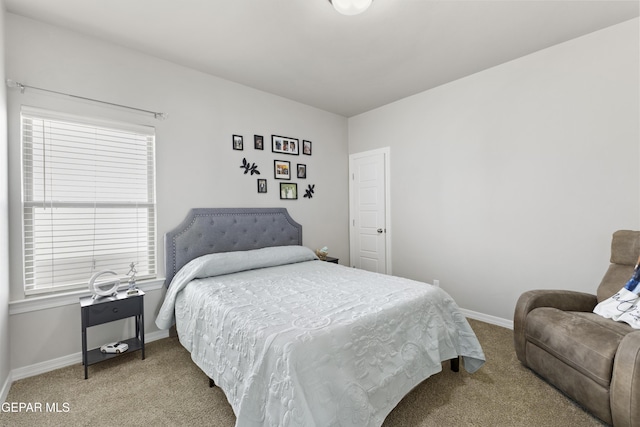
560, 299
625, 384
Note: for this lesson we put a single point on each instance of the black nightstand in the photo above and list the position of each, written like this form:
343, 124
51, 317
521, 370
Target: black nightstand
331, 259
108, 309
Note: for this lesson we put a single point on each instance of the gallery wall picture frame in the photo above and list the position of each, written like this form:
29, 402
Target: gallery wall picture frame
262, 185
258, 142
281, 169
237, 142
285, 145
302, 171
306, 147
288, 191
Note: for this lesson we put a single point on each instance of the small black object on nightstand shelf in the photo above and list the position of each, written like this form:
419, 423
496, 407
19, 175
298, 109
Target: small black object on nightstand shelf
331, 259
108, 309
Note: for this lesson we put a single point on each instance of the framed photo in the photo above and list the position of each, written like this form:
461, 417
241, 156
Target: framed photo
282, 144
258, 142
288, 190
302, 171
281, 169
262, 186
306, 147
237, 142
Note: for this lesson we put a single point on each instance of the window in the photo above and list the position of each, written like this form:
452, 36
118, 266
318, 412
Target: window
88, 200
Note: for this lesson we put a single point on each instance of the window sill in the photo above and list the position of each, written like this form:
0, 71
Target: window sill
68, 298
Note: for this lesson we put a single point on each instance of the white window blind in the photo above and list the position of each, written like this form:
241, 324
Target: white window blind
88, 200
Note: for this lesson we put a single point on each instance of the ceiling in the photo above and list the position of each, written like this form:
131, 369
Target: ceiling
305, 51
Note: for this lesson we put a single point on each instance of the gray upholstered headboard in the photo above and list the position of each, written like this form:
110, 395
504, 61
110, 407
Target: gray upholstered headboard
211, 230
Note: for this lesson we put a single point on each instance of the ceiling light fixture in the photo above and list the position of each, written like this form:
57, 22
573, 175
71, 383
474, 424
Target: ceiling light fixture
350, 7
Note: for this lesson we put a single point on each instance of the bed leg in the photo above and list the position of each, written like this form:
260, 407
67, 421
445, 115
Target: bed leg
211, 383
455, 364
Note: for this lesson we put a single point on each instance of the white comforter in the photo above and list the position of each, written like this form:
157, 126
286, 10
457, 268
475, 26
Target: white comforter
311, 343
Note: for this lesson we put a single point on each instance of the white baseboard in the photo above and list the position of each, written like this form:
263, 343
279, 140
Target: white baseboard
64, 361
493, 320
4, 392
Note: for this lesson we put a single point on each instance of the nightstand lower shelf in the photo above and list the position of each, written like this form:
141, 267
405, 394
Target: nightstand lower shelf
96, 356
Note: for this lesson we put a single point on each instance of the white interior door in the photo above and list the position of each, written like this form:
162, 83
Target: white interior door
370, 233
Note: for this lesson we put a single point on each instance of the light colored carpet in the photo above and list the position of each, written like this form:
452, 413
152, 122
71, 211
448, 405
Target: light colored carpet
167, 389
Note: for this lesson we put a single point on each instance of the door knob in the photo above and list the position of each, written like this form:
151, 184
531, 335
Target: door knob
379, 230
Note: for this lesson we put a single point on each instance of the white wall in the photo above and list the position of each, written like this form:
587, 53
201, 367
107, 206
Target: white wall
196, 166
515, 178
4, 227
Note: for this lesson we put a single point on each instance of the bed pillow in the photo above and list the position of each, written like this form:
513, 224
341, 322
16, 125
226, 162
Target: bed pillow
233, 262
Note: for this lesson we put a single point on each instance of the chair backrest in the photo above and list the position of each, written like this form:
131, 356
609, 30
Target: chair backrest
625, 249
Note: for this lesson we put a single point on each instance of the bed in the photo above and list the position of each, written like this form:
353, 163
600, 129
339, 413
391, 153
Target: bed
292, 340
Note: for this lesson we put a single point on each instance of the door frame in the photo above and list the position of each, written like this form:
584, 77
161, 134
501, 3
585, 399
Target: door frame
386, 151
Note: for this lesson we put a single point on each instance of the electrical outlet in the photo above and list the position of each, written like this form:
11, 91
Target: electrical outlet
436, 283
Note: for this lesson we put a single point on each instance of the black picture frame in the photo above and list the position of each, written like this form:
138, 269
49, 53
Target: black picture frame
262, 185
282, 169
306, 147
258, 142
238, 144
288, 191
301, 171
285, 145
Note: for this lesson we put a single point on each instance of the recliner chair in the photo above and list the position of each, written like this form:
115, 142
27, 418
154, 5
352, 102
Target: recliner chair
593, 360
